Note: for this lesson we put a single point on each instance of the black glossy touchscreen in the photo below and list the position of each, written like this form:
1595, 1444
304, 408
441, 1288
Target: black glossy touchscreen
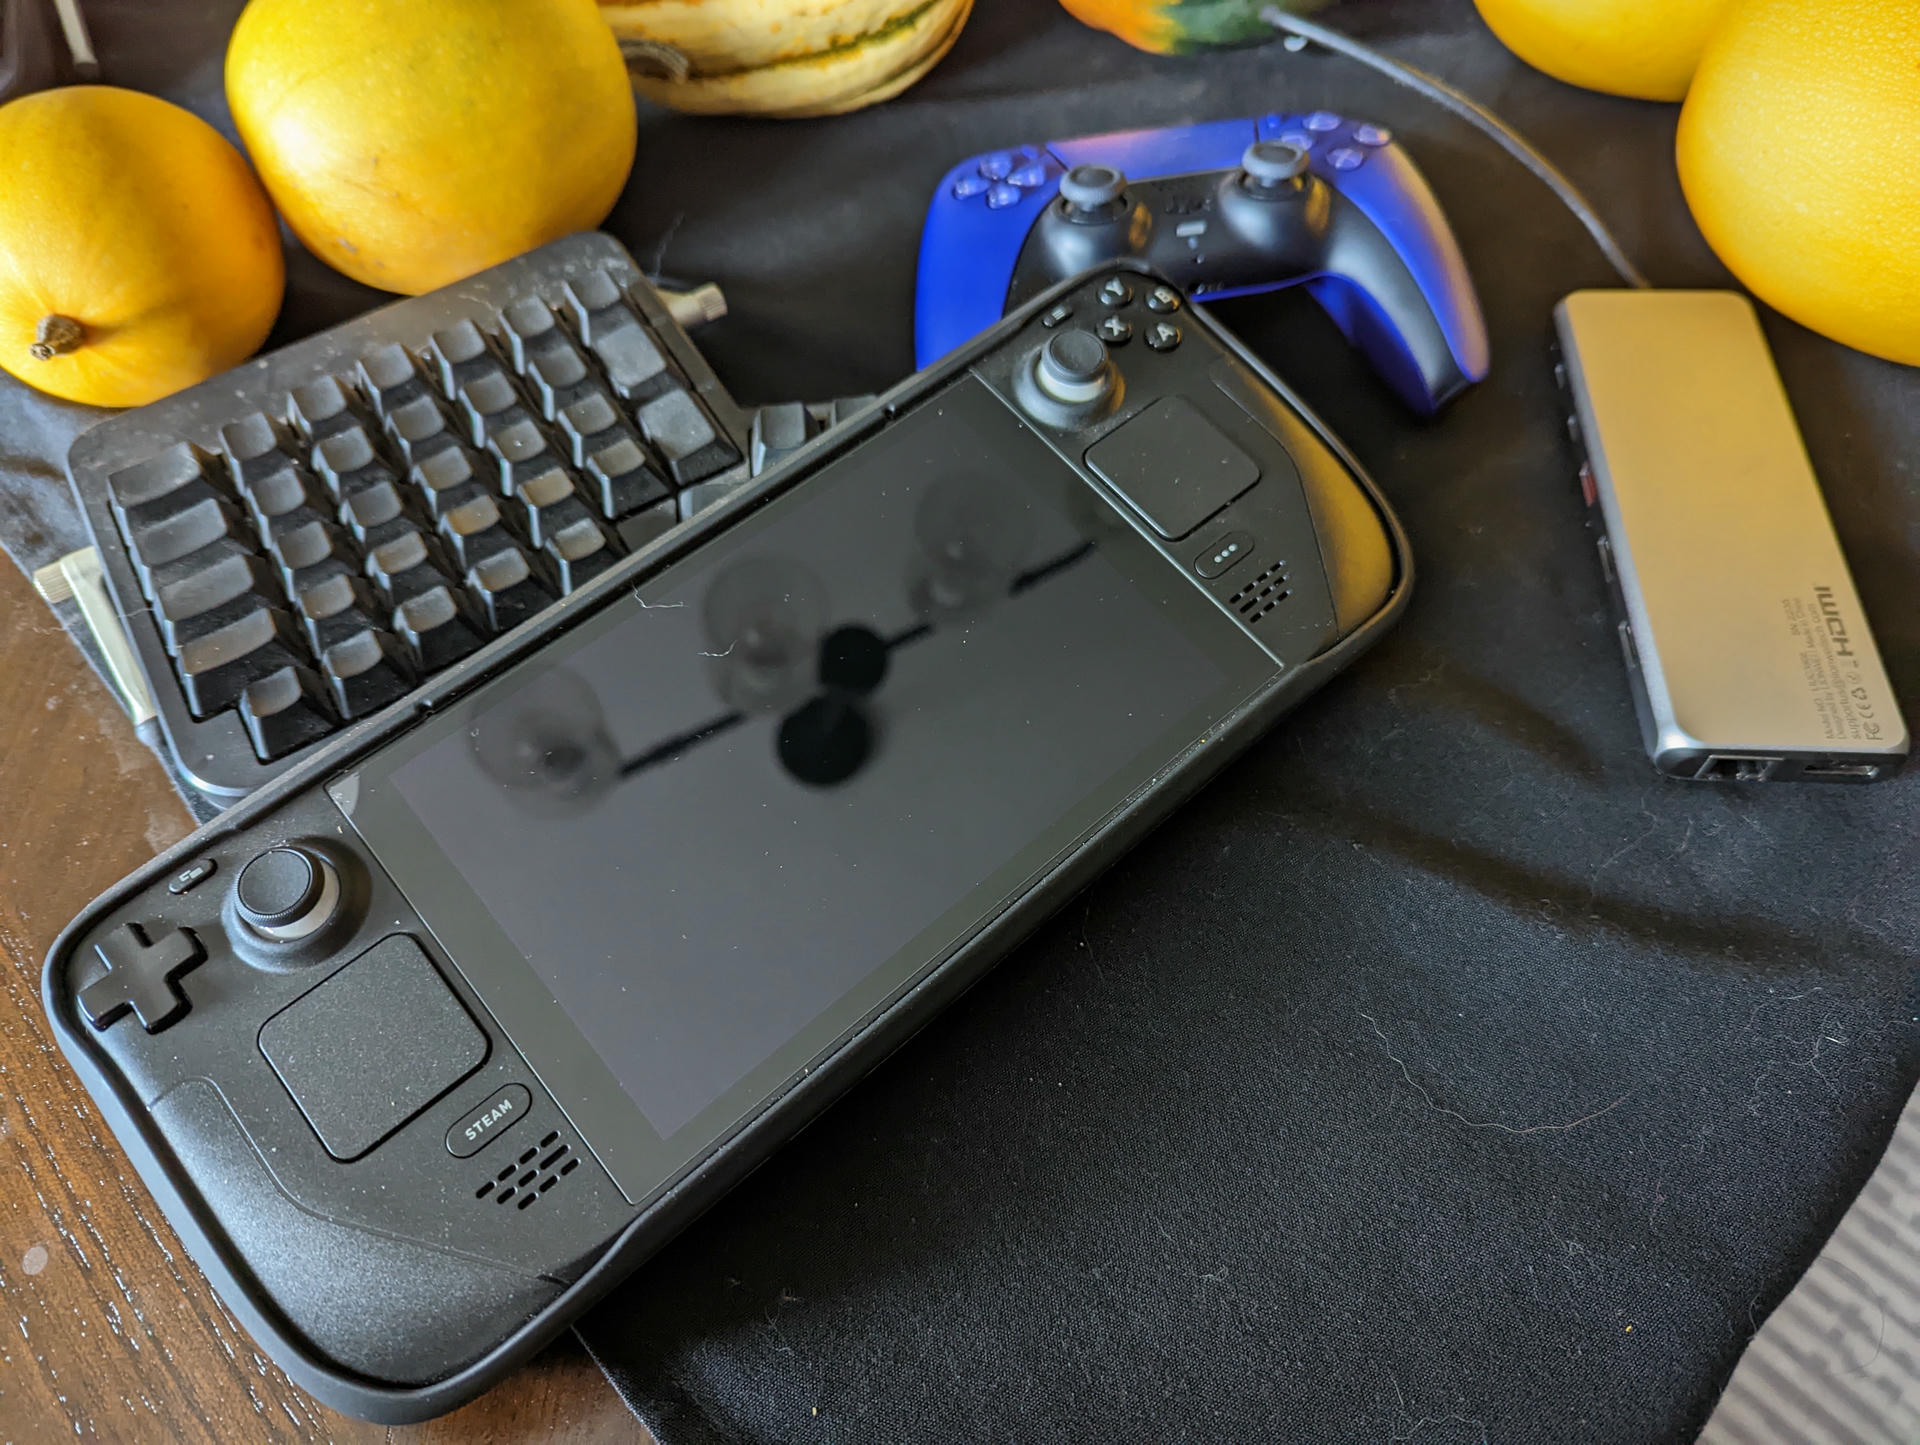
720, 823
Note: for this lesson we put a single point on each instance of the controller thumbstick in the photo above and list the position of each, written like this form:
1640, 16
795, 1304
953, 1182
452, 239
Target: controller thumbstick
286, 893
1271, 167
1073, 368
1092, 192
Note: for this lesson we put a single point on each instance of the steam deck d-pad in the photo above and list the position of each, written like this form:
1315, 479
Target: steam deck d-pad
142, 977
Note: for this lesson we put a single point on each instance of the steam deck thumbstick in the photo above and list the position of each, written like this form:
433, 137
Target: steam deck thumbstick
1272, 168
1092, 192
1073, 368
287, 893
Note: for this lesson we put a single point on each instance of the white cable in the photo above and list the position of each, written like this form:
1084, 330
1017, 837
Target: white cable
1476, 115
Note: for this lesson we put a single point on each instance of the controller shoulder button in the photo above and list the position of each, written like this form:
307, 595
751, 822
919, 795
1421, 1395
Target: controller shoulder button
142, 977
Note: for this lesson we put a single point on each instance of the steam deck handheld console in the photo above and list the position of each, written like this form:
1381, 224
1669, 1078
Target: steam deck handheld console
1228, 208
430, 1041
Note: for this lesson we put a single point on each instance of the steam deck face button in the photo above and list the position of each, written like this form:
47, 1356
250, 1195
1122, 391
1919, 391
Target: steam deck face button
480, 1128
1162, 299
1115, 292
1115, 331
141, 978
1073, 368
372, 1046
287, 893
1163, 336
1173, 465
192, 876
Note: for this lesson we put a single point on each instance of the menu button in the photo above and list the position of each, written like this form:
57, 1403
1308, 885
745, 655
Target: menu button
498, 1114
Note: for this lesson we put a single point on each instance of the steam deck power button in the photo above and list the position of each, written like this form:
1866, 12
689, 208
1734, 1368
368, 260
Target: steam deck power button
478, 1129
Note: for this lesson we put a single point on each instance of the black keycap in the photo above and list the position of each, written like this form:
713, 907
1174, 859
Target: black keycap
781, 430
648, 524
621, 480
204, 601
521, 451
528, 327
597, 306
152, 579
283, 713
335, 608
376, 515
558, 377
284, 500
215, 669
320, 408
848, 406
307, 553
459, 355
701, 495
548, 504
160, 487
404, 567
489, 404
418, 429
577, 554
635, 367
435, 629
589, 424
676, 427
506, 590
389, 378
185, 532
255, 447
364, 673
473, 532
348, 462
450, 479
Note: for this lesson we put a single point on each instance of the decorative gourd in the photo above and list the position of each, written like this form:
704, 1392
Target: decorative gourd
781, 57
1179, 27
138, 254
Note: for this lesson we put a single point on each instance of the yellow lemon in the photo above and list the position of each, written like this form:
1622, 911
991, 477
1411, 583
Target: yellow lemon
410, 143
138, 254
1797, 155
1646, 49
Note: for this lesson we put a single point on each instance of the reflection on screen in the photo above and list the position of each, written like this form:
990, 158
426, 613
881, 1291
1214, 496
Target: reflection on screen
798, 750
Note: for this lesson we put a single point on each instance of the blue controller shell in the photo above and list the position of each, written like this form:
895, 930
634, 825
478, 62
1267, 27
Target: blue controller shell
985, 207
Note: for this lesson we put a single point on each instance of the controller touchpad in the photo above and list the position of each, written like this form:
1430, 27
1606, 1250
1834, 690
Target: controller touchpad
372, 1046
1175, 467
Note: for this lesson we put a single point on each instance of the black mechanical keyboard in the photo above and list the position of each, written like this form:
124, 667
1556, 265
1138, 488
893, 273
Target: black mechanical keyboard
301, 541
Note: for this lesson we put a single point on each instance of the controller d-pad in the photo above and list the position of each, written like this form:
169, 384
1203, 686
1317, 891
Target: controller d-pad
141, 977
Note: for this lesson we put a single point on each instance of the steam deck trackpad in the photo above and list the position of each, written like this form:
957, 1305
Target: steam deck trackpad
1175, 467
372, 1046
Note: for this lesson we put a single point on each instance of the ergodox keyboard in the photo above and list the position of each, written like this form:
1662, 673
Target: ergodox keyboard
301, 541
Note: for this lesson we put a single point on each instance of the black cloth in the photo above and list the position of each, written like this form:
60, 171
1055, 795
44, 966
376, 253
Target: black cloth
1440, 1073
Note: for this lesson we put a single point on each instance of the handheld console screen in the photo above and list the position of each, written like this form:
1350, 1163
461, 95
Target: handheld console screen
726, 819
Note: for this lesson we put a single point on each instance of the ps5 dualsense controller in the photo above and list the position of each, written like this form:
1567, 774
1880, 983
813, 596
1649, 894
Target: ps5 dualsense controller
1227, 208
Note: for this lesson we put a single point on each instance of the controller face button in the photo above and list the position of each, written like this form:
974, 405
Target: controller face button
970, 186
1002, 196
1090, 187
1028, 175
192, 876
1346, 158
1373, 135
140, 978
1115, 292
995, 167
1298, 138
1163, 299
1115, 332
1053, 318
1323, 121
1162, 336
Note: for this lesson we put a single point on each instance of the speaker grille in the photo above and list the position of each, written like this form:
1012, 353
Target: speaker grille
537, 1170
1263, 594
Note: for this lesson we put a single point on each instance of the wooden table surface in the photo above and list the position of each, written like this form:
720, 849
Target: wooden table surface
107, 1330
